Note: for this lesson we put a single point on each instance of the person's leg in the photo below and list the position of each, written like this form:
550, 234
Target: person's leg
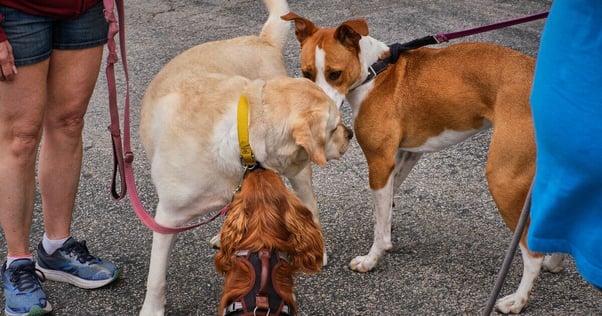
73, 71
21, 115
71, 79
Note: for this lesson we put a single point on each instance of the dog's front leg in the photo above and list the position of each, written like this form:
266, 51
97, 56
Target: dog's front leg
302, 185
382, 205
154, 302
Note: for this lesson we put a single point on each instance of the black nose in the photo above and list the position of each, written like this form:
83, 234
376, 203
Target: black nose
349, 133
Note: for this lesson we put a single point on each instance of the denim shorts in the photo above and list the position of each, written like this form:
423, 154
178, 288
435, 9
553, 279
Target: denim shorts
34, 37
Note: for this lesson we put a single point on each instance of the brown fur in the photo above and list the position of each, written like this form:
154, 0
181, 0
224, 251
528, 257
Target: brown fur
404, 111
265, 214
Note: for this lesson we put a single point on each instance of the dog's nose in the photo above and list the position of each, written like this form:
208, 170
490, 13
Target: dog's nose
349, 133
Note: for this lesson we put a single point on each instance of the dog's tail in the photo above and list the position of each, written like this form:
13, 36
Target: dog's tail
275, 30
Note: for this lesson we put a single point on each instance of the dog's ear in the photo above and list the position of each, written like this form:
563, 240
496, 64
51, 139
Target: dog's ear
231, 234
350, 32
306, 239
309, 132
304, 28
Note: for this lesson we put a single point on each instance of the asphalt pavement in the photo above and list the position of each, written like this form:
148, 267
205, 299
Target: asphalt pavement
449, 240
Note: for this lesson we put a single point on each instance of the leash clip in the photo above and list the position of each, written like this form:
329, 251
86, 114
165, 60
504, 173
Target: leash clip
255, 311
248, 163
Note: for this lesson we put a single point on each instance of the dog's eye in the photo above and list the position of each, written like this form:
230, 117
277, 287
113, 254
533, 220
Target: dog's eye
308, 75
334, 75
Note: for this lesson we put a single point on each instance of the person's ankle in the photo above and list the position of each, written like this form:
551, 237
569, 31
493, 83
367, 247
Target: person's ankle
51, 245
10, 259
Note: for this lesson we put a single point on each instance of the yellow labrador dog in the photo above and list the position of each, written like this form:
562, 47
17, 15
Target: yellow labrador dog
189, 131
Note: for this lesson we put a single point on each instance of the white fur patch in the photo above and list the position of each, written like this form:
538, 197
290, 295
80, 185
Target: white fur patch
333, 93
445, 139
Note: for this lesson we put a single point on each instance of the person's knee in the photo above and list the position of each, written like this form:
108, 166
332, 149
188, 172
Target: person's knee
22, 141
69, 124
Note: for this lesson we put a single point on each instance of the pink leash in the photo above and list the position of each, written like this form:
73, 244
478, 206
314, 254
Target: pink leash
123, 163
442, 38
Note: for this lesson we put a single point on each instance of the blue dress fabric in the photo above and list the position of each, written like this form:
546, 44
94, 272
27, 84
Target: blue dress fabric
566, 211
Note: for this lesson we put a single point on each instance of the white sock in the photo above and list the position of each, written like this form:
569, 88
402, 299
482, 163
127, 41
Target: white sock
50, 246
10, 260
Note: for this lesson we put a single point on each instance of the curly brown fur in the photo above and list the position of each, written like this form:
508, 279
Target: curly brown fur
266, 214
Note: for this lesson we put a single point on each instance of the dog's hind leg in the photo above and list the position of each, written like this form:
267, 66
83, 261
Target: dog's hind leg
515, 302
554, 262
383, 199
510, 170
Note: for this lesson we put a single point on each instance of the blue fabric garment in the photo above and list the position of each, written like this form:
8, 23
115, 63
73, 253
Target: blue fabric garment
566, 211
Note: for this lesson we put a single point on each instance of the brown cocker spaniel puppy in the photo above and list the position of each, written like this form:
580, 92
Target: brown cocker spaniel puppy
269, 235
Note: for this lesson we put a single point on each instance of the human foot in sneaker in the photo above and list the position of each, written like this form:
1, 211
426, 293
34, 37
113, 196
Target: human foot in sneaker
72, 263
22, 291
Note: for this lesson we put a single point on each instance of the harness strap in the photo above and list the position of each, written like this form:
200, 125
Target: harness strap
123, 163
238, 307
258, 301
262, 299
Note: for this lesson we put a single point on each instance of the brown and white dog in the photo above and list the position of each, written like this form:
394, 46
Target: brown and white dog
188, 127
268, 237
429, 100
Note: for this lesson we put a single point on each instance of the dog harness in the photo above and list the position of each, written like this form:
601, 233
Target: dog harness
263, 298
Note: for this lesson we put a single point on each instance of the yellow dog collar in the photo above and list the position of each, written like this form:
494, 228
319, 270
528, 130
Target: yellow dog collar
246, 154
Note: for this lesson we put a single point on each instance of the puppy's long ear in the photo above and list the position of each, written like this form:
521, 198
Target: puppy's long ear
306, 238
304, 28
350, 32
233, 230
309, 132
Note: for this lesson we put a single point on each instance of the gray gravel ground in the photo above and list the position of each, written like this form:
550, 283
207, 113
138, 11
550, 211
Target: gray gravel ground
449, 241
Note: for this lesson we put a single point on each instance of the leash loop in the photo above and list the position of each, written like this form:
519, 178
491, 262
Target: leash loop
122, 164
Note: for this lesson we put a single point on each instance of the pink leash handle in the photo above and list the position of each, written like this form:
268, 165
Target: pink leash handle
123, 164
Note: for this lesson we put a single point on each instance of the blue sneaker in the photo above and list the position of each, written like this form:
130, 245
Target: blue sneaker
22, 291
72, 263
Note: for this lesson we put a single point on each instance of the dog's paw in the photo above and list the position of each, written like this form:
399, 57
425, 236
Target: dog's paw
215, 242
511, 304
363, 263
553, 263
148, 309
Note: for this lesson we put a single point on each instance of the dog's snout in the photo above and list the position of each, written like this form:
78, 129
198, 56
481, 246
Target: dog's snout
349, 132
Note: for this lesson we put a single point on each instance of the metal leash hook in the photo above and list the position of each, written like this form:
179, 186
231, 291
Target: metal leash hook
255, 312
